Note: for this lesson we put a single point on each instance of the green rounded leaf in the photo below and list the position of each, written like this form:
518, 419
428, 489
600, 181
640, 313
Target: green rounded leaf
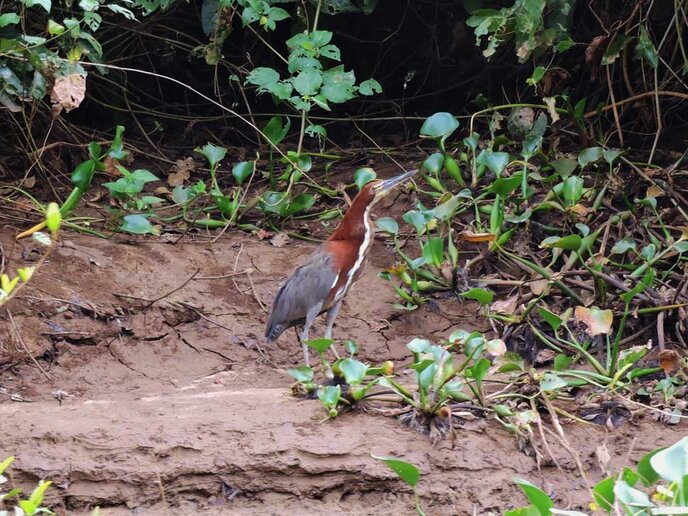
672, 463
308, 82
590, 155
369, 87
404, 470
495, 161
320, 345
434, 163
482, 296
303, 374
388, 225
137, 224
570, 242
363, 176
439, 125
354, 371
242, 171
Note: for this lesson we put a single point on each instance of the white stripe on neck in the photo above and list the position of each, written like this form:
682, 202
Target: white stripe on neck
367, 239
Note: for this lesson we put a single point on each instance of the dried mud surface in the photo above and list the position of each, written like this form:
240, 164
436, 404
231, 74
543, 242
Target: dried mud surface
164, 408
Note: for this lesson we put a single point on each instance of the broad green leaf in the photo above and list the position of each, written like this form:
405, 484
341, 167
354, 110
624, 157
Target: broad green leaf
299, 203
623, 245
603, 493
9, 19
439, 125
681, 246
610, 155
672, 463
648, 252
433, 251
434, 163
418, 345
570, 242
354, 371
308, 82
590, 155
320, 345
645, 49
550, 318
404, 470
562, 362
632, 497
369, 87
503, 186
242, 171
303, 374
572, 190
445, 211
45, 4
331, 52
648, 476
363, 176
482, 296
478, 371
337, 85
329, 396
263, 77
388, 225
416, 219
144, 176
564, 167
536, 496
137, 224
212, 153
495, 161
551, 382
275, 131
316, 130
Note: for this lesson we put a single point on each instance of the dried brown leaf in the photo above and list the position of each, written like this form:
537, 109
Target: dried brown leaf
280, 240
181, 171
68, 93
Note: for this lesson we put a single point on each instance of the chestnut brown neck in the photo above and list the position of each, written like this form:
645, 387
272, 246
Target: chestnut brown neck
353, 226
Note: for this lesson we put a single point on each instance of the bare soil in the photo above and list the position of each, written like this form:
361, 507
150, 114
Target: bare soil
171, 407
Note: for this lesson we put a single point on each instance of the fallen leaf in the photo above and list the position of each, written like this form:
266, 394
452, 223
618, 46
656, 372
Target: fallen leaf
594, 53
580, 209
68, 93
654, 191
598, 321
161, 190
551, 104
537, 287
468, 236
181, 171
505, 306
280, 240
29, 182
263, 234
111, 165
544, 356
603, 457
669, 361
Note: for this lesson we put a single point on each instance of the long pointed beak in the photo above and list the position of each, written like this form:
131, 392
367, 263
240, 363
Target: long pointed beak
388, 184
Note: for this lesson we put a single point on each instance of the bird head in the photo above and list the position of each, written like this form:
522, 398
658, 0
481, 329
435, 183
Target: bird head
381, 187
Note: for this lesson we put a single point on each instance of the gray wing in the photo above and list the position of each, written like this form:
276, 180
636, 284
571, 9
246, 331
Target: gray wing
307, 287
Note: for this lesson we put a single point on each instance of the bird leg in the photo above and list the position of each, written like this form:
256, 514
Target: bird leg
331, 316
310, 317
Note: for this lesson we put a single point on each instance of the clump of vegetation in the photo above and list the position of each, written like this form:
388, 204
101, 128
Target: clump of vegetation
656, 486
